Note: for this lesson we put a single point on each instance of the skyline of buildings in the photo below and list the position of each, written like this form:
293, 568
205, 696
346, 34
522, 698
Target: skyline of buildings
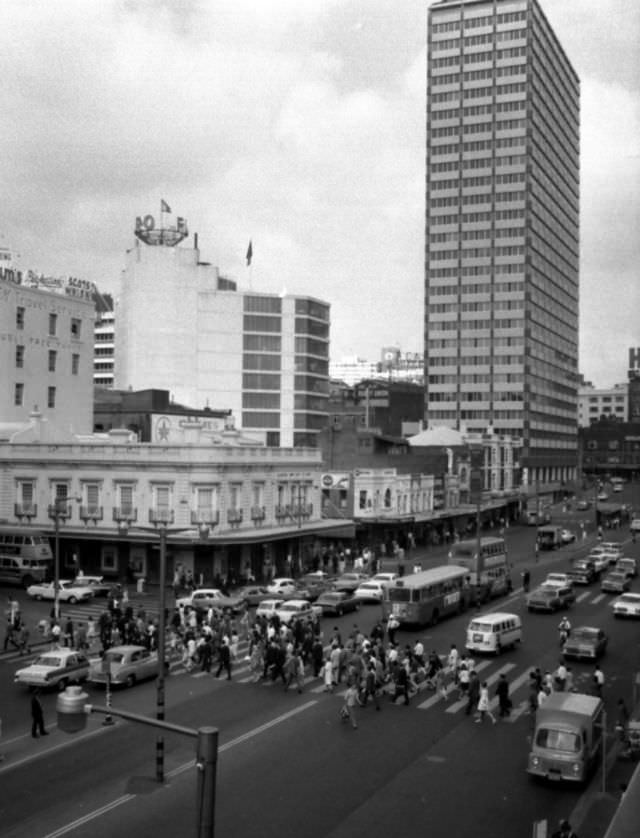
502, 226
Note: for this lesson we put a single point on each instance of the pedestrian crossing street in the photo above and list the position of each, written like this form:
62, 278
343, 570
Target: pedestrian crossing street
488, 669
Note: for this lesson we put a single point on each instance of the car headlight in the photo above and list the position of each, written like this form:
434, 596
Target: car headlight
535, 761
575, 768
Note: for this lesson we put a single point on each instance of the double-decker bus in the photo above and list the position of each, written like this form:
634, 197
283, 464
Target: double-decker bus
25, 555
487, 567
423, 598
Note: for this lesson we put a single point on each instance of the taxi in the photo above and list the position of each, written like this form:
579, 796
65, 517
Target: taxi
125, 665
56, 668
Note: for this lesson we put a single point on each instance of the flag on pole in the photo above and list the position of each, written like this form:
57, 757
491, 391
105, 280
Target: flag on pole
164, 206
249, 253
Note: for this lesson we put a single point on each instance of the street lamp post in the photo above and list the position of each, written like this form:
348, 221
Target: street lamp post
161, 522
57, 510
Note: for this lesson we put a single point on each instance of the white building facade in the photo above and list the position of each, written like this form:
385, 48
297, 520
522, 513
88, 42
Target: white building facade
593, 403
46, 354
183, 327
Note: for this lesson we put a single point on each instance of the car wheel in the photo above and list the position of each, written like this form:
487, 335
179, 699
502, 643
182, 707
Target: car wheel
339, 612
62, 685
131, 680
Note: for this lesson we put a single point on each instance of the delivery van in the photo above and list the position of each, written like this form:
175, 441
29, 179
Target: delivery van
568, 736
549, 538
494, 633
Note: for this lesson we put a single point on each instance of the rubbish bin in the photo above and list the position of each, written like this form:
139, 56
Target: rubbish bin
140, 585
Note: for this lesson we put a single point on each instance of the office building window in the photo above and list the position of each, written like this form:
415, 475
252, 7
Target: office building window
51, 396
52, 360
19, 356
20, 317
53, 324
18, 398
75, 364
76, 326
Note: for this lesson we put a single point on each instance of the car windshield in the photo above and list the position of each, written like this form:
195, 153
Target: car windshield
476, 626
368, 586
616, 577
48, 660
631, 598
558, 740
584, 635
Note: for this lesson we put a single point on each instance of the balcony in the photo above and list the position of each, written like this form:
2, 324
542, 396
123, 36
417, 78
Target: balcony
91, 513
60, 510
258, 513
301, 510
25, 510
282, 512
234, 516
162, 516
205, 517
125, 514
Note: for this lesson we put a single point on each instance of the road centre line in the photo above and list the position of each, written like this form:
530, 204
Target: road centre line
64, 830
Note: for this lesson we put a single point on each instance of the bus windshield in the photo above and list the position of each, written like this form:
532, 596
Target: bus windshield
399, 594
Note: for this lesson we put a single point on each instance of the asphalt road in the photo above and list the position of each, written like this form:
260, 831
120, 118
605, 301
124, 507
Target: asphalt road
288, 766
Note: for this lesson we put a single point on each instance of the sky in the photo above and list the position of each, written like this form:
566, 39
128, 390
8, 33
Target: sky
298, 125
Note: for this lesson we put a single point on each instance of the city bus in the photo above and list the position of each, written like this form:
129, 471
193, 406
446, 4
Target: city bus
25, 556
488, 569
423, 598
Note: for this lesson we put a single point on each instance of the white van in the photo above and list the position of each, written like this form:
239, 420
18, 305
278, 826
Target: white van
494, 633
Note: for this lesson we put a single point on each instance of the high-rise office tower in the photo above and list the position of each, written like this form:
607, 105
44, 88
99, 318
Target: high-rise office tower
502, 229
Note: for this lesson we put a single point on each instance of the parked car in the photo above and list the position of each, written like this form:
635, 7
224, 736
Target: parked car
57, 668
268, 607
611, 546
253, 594
67, 591
615, 582
127, 665
99, 586
349, 581
567, 537
627, 605
337, 602
585, 642
291, 609
370, 591
205, 598
583, 572
603, 496
550, 598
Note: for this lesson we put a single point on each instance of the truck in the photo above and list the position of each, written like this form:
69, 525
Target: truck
568, 737
549, 537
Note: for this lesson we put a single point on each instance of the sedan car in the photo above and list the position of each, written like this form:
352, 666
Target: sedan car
57, 668
349, 581
294, 609
126, 665
627, 605
205, 598
567, 537
253, 594
585, 642
550, 598
282, 585
67, 591
634, 526
337, 602
385, 578
99, 587
615, 582
558, 579
582, 505
603, 496
583, 572
268, 607
628, 566
370, 591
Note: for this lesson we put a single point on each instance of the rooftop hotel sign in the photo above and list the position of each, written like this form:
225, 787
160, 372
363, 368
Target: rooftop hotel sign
167, 236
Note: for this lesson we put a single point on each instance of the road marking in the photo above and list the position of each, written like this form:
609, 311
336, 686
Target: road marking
598, 599
583, 596
513, 686
429, 702
63, 830
458, 705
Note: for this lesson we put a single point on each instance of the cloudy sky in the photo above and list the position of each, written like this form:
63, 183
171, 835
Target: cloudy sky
298, 124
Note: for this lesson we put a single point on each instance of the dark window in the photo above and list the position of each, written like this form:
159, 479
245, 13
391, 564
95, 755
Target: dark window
260, 420
263, 304
75, 364
53, 324
257, 323
52, 360
260, 381
76, 327
251, 361
19, 395
261, 401
262, 343
19, 356
51, 396
20, 317
313, 309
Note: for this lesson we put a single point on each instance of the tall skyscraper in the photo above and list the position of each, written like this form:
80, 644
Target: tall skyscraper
502, 229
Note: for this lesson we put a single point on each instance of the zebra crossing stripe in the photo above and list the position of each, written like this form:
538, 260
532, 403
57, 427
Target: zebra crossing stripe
583, 596
518, 711
513, 686
598, 598
434, 699
458, 705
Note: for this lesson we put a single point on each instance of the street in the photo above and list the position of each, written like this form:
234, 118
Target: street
288, 766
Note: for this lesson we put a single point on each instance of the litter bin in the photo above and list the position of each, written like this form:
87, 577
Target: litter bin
140, 585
